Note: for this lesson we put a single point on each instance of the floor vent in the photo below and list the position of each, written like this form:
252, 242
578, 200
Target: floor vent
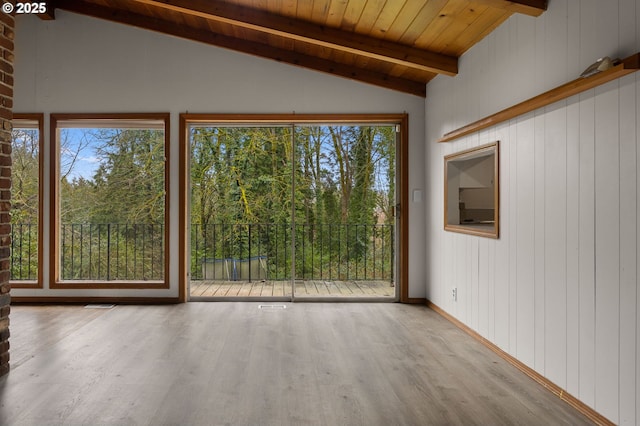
272, 307
98, 306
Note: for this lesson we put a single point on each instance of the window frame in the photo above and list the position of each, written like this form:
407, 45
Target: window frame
402, 172
476, 229
54, 260
39, 118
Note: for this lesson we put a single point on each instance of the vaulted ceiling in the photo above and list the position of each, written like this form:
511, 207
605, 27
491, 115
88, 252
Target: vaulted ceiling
396, 44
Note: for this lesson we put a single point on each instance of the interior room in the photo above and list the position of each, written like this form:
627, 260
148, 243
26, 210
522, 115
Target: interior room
319, 212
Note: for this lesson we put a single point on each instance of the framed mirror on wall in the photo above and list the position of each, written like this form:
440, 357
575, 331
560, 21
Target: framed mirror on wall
471, 191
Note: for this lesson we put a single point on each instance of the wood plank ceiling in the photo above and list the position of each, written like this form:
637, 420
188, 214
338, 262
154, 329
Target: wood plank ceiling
396, 44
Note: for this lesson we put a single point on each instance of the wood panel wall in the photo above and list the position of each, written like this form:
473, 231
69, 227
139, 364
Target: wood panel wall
558, 290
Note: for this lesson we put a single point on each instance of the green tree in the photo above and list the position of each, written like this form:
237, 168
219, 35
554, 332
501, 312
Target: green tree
129, 182
25, 203
25, 176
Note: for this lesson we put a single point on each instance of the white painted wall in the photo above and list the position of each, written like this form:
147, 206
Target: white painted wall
79, 64
558, 290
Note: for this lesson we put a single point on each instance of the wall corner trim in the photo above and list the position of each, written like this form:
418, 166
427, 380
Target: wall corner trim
587, 411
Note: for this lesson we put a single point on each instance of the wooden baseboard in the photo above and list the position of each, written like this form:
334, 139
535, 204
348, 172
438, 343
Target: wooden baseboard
414, 300
587, 411
85, 300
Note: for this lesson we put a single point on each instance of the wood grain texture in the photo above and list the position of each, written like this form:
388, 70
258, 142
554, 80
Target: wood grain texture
281, 288
317, 35
527, 7
394, 44
232, 363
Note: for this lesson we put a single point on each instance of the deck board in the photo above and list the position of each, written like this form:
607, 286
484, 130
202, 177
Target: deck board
311, 288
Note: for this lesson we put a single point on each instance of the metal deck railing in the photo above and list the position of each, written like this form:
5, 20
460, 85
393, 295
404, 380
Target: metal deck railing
113, 251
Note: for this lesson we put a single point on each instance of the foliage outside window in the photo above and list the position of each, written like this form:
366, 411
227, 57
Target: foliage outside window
335, 182
111, 200
25, 199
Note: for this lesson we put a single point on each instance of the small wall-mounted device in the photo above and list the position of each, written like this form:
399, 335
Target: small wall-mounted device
602, 64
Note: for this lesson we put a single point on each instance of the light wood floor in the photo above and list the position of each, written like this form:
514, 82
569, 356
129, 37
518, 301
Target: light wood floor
235, 364
320, 288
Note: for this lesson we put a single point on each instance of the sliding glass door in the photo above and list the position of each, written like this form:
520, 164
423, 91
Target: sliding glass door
345, 190
291, 211
241, 198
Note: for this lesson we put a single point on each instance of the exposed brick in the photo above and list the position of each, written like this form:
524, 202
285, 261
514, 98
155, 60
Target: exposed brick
6, 43
4, 333
6, 66
6, 78
7, 19
6, 90
9, 32
6, 113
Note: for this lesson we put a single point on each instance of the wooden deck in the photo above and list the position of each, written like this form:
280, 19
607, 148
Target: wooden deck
319, 288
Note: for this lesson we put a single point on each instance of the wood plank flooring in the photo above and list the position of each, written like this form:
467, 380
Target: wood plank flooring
235, 364
310, 288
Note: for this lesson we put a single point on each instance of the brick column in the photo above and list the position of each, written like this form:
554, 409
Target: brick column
6, 113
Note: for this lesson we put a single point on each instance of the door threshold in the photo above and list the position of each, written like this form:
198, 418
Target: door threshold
346, 299
302, 299
240, 299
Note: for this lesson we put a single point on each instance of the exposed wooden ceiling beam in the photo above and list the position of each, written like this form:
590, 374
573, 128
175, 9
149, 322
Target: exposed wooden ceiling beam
526, 7
370, 47
417, 88
50, 14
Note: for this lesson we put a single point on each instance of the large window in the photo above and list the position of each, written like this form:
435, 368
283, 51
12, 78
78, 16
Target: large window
286, 207
109, 183
26, 194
